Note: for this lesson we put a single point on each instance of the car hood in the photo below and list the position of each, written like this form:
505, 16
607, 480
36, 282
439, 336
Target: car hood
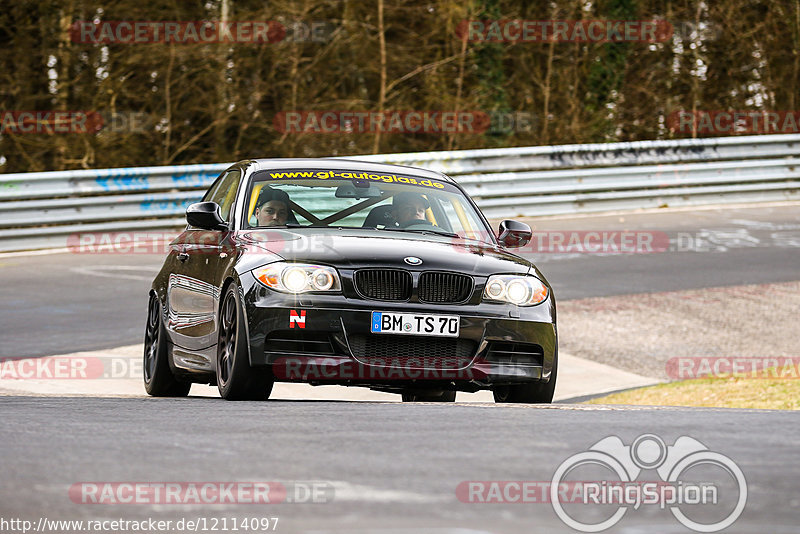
376, 248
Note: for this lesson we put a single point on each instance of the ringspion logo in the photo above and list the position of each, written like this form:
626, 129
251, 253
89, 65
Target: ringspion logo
709, 501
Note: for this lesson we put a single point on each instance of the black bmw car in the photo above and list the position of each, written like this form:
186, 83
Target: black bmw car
333, 271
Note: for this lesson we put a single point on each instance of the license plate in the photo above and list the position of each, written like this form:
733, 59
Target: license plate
417, 324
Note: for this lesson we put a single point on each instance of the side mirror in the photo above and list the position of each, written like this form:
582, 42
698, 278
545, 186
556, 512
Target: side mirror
205, 215
514, 234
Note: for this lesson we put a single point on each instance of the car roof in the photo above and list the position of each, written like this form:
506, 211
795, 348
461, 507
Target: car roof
344, 164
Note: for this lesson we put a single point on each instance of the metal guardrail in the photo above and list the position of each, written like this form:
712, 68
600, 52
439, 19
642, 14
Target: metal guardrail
107, 181
43, 209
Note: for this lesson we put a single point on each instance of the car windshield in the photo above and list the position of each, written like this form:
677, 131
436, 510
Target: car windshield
361, 199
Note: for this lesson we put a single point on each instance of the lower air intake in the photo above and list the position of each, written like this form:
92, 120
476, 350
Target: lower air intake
412, 352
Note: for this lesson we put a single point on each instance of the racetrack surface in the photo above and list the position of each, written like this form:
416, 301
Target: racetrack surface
393, 468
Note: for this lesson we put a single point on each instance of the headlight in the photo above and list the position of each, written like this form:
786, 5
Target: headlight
298, 277
519, 290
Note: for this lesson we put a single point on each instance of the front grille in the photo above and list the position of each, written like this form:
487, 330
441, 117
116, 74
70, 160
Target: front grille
444, 287
294, 342
515, 353
383, 284
411, 351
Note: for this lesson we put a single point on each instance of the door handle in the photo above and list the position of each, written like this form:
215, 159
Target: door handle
183, 256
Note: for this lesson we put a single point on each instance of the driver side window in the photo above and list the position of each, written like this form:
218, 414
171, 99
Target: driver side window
224, 192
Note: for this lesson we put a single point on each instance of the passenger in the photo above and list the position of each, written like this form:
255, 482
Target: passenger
272, 207
409, 208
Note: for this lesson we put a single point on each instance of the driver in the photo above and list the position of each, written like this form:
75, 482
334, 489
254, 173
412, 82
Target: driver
272, 207
409, 208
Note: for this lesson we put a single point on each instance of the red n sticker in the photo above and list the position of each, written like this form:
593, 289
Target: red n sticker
297, 318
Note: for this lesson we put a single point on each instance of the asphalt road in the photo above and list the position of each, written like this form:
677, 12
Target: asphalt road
392, 468
379, 467
61, 303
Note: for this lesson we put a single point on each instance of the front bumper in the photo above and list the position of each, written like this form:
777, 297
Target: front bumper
326, 339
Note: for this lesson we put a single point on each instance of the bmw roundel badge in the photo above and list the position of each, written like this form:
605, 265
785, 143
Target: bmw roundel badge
412, 260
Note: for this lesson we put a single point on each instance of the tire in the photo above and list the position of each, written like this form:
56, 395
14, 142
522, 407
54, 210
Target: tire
236, 380
429, 396
158, 378
534, 393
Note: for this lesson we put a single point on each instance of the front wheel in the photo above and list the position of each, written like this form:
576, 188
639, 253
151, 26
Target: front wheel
158, 378
236, 380
534, 393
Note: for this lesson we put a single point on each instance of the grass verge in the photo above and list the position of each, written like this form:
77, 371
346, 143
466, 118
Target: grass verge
763, 393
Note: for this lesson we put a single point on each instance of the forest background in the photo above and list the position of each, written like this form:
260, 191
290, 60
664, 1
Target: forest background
167, 103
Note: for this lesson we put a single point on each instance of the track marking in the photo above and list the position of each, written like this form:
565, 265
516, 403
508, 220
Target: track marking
98, 271
347, 491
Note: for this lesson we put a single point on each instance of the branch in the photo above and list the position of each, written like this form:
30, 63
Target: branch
421, 68
191, 141
382, 95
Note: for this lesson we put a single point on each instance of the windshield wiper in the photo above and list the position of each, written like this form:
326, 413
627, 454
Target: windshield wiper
421, 231
287, 225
